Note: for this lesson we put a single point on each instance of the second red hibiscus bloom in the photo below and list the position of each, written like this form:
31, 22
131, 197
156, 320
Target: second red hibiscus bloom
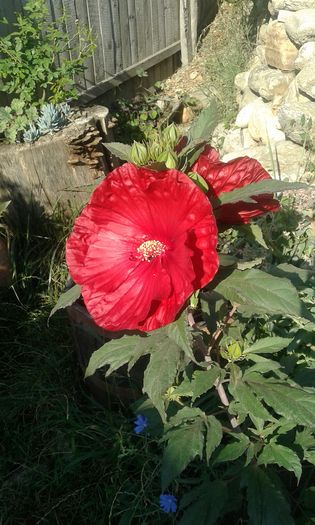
224, 177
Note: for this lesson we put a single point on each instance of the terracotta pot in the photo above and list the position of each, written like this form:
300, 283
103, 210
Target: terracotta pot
120, 388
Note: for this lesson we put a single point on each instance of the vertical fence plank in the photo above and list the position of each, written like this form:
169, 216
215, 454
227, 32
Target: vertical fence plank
93, 9
133, 31
140, 29
108, 37
117, 36
82, 16
155, 27
125, 35
160, 15
171, 21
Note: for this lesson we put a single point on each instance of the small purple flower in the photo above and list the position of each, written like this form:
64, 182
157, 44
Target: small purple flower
168, 503
141, 422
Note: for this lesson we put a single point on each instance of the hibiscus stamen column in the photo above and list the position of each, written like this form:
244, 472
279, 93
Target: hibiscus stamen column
150, 249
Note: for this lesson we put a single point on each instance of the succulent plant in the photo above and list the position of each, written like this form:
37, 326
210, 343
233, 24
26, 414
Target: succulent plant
31, 134
53, 117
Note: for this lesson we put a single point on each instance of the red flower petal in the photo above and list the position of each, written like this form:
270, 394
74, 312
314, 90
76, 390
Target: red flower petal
237, 173
143, 244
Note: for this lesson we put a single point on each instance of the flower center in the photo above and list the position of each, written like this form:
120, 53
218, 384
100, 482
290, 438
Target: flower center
150, 249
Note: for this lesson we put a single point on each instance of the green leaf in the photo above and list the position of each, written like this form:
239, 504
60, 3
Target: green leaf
160, 373
259, 292
204, 124
285, 457
203, 380
184, 444
253, 232
117, 352
214, 435
291, 402
199, 181
250, 403
181, 335
227, 260
267, 504
233, 451
120, 150
67, 299
258, 188
209, 507
268, 345
185, 414
298, 276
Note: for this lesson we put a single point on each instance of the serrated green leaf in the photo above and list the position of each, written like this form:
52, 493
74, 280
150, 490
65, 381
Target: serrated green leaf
204, 124
262, 367
233, 451
258, 188
260, 292
285, 457
209, 507
214, 435
268, 345
185, 414
160, 373
67, 298
120, 150
180, 334
267, 504
250, 403
203, 380
118, 352
184, 445
291, 402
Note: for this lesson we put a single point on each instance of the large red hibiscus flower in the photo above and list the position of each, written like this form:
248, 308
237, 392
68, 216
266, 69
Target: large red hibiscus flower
143, 244
222, 177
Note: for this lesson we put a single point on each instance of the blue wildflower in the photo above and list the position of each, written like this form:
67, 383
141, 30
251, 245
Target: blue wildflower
168, 503
141, 422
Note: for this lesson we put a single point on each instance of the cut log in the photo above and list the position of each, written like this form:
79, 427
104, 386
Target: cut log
50, 170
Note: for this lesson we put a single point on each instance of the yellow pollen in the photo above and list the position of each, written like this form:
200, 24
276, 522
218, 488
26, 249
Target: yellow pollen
150, 249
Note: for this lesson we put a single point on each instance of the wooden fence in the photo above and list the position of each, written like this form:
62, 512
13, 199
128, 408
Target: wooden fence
130, 35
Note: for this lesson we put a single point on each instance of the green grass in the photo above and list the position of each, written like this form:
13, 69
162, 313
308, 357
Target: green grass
65, 458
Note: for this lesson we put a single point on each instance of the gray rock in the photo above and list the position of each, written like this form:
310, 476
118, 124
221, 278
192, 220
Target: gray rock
237, 139
300, 26
306, 54
246, 97
291, 5
293, 94
241, 80
298, 121
268, 83
279, 50
288, 158
306, 79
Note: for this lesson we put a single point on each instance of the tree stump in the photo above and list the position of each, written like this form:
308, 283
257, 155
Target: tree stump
59, 168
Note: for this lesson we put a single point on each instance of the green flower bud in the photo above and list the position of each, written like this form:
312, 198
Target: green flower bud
170, 134
171, 161
139, 154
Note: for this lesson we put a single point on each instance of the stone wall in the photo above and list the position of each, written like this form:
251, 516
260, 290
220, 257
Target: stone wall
276, 96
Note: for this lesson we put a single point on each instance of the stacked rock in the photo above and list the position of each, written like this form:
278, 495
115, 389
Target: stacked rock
276, 96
